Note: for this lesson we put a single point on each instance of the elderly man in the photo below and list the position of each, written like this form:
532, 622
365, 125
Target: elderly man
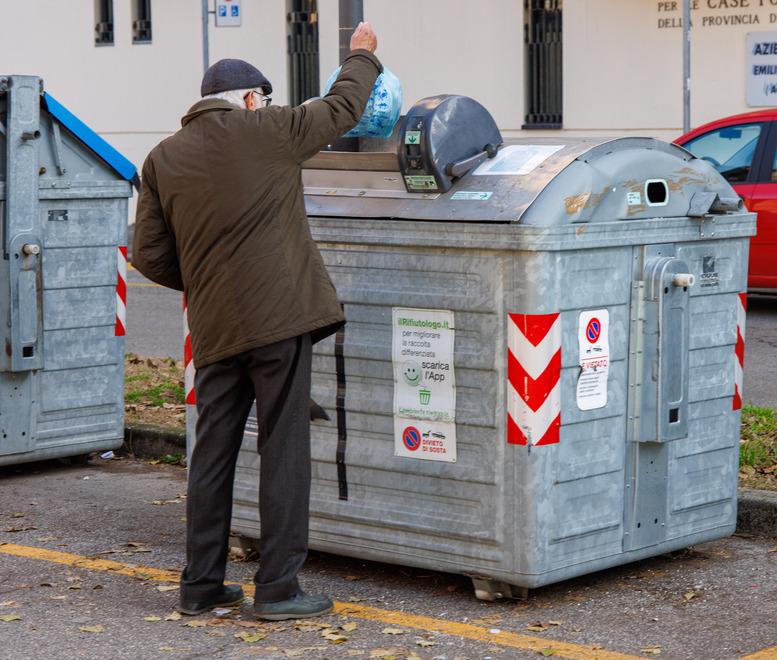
221, 216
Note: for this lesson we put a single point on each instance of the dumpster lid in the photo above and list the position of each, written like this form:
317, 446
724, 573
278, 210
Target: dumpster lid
121, 165
532, 181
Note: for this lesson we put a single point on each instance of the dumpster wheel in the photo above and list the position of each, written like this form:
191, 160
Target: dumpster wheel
493, 590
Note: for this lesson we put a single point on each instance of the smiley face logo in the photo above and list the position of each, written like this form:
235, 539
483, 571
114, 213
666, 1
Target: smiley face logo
411, 372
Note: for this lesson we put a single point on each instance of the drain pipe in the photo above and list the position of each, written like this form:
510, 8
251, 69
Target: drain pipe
351, 14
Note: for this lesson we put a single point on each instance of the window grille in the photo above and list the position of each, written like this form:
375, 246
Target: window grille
103, 19
141, 21
302, 38
543, 42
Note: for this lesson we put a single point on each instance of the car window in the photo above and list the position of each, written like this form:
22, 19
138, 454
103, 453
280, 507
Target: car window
729, 149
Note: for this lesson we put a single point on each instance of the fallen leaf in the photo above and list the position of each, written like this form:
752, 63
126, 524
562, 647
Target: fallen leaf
58, 597
689, 595
151, 619
166, 648
75, 587
173, 616
537, 626
251, 637
7, 618
45, 584
335, 638
424, 643
451, 588
7, 603
554, 623
168, 587
23, 528
92, 629
393, 631
652, 650
354, 578
197, 623
354, 599
350, 627
489, 620
774, 549
312, 627
17, 515
547, 652
384, 654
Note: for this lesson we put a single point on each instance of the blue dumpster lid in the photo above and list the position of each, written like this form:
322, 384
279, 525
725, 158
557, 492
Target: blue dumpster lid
121, 165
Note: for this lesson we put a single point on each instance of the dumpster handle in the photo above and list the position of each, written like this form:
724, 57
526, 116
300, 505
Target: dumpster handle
461, 167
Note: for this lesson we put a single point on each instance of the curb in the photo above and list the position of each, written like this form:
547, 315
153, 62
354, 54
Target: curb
151, 441
756, 513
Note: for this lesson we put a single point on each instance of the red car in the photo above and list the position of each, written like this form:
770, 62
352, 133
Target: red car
742, 148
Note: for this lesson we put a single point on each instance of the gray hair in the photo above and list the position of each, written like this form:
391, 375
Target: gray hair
233, 96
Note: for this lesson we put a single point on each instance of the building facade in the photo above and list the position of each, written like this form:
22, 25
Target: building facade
131, 68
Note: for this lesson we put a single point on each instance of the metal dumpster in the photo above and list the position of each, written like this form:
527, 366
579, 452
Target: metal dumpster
63, 200
541, 372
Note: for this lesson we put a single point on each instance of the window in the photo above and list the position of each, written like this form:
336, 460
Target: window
141, 21
302, 37
542, 47
729, 150
103, 22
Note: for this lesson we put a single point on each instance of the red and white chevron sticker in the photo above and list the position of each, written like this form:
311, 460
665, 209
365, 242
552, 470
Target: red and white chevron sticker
188, 361
739, 350
534, 375
121, 291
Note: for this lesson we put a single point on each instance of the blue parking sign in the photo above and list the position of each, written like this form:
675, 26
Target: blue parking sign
235, 10
222, 10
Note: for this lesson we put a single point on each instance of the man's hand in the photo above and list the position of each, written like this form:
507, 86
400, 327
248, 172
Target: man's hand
364, 37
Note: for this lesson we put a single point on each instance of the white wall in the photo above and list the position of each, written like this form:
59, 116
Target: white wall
623, 62
134, 95
622, 72
444, 47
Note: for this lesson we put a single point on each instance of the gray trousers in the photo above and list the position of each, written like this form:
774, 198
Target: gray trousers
278, 377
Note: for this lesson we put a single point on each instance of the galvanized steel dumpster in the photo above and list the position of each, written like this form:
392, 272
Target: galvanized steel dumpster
63, 200
593, 294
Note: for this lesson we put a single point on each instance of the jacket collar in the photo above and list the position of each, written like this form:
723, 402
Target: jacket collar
206, 105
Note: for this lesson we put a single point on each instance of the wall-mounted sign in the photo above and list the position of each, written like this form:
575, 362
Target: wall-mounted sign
229, 13
761, 74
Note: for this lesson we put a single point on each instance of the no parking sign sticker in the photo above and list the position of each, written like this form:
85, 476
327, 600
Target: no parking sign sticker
593, 340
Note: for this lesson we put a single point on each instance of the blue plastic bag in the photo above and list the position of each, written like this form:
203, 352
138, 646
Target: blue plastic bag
383, 108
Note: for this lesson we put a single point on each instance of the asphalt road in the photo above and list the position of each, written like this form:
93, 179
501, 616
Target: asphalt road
155, 329
154, 320
760, 385
84, 551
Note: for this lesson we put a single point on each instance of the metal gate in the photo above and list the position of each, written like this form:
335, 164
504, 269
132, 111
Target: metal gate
302, 40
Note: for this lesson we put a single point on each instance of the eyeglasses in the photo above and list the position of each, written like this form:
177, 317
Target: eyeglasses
263, 100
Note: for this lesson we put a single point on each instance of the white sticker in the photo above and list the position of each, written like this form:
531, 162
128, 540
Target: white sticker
424, 384
633, 198
593, 339
518, 159
471, 195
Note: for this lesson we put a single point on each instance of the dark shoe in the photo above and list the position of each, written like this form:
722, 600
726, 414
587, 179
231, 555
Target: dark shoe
299, 606
228, 596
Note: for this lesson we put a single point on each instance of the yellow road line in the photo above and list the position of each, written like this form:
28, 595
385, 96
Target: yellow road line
764, 654
425, 623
